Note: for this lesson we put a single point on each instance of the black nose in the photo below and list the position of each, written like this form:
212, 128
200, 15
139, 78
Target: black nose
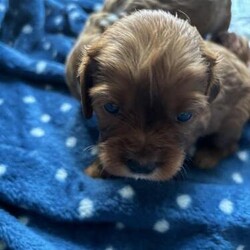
136, 168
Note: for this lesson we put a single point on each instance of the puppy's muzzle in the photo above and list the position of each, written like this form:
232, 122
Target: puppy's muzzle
136, 168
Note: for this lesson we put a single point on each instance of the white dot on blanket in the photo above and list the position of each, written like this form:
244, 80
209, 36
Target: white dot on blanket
27, 29
97, 7
226, 206
65, 107
243, 155
71, 6
183, 201
40, 67
119, 226
3, 169
75, 15
58, 20
45, 118
237, 178
46, 45
86, 208
29, 99
161, 226
61, 174
1, 101
24, 220
2, 7
71, 142
37, 132
127, 192
240, 247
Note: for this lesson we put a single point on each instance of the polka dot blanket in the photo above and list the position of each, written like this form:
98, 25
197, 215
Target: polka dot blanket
48, 203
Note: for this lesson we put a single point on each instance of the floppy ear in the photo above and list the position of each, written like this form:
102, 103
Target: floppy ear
213, 86
85, 78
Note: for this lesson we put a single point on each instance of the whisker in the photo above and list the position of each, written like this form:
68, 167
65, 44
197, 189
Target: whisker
102, 168
89, 148
188, 161
184, 171
185, 14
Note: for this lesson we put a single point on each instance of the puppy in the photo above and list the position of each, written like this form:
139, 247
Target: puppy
211, 17
157, 87
237, 44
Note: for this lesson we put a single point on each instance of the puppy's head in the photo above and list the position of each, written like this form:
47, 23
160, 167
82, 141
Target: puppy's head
149, 79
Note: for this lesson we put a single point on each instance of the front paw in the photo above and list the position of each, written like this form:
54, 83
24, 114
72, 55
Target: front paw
95, 170
206, 158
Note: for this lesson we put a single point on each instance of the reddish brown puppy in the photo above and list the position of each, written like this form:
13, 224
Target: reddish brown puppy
239, 45
156, 87
210, 17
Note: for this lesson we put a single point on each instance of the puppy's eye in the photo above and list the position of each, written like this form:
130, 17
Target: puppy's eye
112, 108
184, 116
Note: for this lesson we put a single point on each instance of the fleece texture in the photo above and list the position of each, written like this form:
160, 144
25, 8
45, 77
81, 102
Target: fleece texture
48, 203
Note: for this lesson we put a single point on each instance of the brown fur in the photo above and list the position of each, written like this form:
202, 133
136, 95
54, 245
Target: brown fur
237, 44
209, 16
154, 66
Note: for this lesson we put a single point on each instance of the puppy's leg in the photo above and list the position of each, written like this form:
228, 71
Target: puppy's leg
225, 141
208, 156
96, 170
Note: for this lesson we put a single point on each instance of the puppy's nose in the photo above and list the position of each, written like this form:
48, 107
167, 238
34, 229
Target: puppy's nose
136, 168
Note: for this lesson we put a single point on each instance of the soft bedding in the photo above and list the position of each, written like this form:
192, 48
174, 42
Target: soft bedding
48, 203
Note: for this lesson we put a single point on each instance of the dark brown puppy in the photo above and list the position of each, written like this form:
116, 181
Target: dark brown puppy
239, 45
209, 16
156, 87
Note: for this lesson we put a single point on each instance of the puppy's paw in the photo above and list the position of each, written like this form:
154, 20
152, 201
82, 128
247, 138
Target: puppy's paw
96, 171
209, 157
206, 158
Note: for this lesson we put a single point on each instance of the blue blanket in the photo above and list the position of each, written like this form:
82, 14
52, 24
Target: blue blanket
47, 203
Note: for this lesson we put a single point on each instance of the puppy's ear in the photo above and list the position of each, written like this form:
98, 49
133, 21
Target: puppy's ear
213, 86
86, 72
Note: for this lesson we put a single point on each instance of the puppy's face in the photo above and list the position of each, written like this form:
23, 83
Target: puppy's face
148, 79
